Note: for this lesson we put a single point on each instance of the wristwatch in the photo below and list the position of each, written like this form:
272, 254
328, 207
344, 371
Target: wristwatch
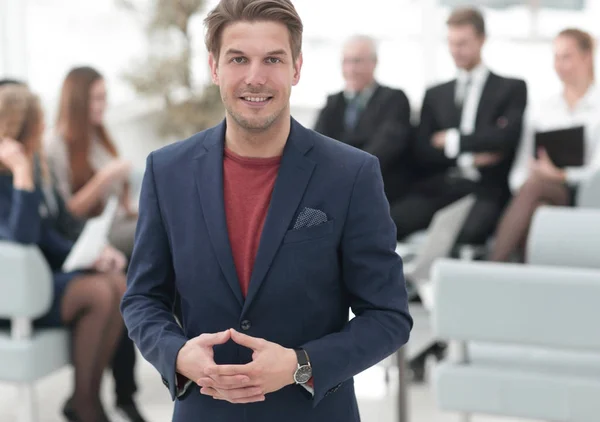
304, 371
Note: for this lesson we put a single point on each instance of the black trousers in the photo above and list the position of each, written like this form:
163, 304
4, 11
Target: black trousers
415, 210
123, 369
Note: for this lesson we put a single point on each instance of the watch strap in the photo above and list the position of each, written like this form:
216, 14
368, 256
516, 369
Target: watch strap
302, 357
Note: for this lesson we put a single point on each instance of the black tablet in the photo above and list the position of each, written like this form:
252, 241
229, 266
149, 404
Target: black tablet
564, 146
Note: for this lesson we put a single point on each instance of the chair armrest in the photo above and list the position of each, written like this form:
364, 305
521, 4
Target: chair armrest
519, 304
588, 194
553, 226
26, 286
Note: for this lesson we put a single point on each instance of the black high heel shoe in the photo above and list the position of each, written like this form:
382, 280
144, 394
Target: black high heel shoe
71, 414
69, 411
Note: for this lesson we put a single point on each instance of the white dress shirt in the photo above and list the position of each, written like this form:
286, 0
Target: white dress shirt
553, 114
469, 86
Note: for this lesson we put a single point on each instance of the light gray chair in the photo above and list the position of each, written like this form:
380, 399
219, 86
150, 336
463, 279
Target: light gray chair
524, 340
588, 195
27, 354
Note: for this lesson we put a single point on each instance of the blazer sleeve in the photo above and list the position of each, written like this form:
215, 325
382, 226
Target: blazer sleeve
55, 246
504, 135
392, 138
373, 276
426, 154
21, 221
148, 302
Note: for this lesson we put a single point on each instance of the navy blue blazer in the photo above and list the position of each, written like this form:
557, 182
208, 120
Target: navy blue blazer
303, 283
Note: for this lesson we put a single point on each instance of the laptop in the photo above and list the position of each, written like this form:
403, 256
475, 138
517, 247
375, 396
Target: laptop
439, 241
565, 147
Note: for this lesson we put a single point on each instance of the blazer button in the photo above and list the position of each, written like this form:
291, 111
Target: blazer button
246, 325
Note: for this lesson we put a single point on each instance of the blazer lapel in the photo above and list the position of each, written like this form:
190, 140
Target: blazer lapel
294, 174
209, 183
485, 102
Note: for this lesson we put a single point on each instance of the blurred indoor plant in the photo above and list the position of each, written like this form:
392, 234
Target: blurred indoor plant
167, 72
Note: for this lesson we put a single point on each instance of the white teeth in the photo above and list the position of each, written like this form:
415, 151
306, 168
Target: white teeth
255, 99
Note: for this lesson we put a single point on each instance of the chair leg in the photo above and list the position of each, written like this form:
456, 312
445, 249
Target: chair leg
27, 403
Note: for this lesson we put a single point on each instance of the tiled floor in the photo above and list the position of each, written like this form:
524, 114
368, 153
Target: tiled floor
376, 404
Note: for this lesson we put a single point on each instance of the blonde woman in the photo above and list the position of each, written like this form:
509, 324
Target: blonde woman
86, 301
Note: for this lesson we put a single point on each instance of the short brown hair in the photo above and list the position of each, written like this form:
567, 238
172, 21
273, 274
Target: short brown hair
230, 11
467, 16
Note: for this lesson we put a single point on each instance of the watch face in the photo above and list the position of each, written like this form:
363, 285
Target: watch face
303, 374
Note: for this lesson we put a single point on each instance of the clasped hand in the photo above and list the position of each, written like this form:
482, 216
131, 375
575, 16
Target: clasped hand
271, 369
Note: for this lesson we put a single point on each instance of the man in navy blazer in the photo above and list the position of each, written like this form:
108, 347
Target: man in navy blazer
264, 234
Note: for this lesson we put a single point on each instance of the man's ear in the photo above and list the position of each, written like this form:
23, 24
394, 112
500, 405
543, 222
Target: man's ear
213, 62
297, 69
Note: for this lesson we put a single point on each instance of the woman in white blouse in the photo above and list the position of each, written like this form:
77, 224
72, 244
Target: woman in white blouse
84, 160
87, 170
539, 181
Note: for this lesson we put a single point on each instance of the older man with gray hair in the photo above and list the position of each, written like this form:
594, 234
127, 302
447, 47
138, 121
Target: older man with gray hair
370, 116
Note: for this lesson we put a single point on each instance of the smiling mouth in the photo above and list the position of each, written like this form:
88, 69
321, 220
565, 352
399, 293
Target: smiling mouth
256, 99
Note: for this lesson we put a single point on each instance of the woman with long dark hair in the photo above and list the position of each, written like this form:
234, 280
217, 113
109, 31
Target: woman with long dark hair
84, 159
85, 163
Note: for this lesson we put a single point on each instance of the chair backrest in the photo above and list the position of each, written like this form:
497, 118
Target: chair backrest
588, 194
26, 286
517, 304
565, 236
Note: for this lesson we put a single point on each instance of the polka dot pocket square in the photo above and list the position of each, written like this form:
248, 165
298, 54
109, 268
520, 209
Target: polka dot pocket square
309, 217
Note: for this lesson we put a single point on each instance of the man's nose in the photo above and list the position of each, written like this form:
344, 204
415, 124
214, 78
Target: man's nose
257, 74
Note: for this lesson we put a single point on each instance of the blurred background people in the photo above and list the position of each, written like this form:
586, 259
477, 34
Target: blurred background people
67, 225
87, 302
371, 116
540, 182
85, 163
84, 159
468, 134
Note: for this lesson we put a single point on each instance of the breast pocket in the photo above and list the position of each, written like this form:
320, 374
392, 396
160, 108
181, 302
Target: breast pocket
310, 233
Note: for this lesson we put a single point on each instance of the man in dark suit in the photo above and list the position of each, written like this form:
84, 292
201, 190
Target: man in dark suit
370, 116
268, 233
469, 131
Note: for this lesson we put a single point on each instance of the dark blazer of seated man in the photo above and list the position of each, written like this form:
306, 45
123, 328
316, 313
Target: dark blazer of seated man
268, 233
468, 134
370, 116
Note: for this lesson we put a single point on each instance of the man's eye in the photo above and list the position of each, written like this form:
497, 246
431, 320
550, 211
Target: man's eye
238, 60
273, 60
